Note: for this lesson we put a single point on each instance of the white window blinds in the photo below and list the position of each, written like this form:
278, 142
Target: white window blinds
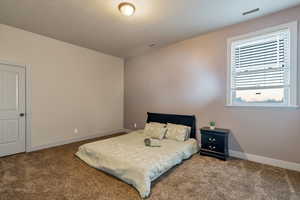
261, 62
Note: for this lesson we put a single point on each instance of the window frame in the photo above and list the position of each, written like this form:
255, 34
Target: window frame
291, 100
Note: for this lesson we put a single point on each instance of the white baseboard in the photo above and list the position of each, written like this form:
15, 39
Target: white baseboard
265, 160
76, 140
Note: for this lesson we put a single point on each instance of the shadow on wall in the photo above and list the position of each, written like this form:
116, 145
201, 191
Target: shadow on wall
233, 142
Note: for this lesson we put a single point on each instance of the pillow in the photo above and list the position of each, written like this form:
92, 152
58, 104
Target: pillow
178, 132
155, 130
156, 124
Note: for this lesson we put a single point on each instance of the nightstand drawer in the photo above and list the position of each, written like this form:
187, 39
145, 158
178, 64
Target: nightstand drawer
212, 138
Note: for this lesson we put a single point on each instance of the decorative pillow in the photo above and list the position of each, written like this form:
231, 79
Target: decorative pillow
155, 130
178, 132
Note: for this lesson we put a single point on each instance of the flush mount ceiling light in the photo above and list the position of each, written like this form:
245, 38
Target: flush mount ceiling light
251, 11
126, 8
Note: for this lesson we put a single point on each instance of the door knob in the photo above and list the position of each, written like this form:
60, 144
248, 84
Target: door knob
22, 114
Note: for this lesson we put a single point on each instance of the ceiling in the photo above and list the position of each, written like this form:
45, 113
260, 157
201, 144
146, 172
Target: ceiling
98, 25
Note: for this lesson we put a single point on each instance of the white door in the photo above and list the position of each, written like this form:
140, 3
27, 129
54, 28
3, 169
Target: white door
12, 109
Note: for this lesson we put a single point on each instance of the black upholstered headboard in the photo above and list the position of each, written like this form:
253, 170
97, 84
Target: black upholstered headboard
187, 120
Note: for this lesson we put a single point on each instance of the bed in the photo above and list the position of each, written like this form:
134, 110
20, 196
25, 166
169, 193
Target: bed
127, 158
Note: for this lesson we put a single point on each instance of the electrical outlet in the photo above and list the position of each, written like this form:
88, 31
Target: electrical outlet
76, 130
134, 125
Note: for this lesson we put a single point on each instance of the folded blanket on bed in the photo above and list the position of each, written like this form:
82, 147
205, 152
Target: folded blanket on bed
151, 142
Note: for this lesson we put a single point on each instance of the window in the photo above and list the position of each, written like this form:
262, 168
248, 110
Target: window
262, 68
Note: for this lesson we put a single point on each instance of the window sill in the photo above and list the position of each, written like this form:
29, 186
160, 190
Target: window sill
262, 106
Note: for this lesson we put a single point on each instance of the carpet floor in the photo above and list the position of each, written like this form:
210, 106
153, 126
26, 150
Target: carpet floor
56, 174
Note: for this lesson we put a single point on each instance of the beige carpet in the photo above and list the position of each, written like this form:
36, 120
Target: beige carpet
56, 174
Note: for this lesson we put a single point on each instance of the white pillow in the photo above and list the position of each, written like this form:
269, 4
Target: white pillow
156, 124
155, 130
178, 132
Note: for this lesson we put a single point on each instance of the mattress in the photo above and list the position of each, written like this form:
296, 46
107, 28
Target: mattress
127, 158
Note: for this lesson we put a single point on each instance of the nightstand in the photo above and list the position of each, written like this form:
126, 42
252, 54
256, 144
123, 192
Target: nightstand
214, 142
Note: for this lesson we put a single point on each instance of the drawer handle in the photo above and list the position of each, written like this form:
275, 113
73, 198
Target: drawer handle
211, 147
212, 139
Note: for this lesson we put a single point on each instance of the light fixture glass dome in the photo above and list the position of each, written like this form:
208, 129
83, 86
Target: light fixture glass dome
127, 9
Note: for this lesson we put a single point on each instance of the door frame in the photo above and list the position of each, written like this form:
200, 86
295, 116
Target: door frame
28, 112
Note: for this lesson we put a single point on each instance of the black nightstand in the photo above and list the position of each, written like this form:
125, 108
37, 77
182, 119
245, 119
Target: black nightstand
214, 142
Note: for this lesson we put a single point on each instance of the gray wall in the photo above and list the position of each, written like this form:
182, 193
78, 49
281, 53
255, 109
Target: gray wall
189, 77
72, 87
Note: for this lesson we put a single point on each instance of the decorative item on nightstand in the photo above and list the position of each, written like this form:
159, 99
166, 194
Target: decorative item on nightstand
212, 125
214, 142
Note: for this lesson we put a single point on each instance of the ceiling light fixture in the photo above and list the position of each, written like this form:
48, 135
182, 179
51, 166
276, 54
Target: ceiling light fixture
126, 8
251, 11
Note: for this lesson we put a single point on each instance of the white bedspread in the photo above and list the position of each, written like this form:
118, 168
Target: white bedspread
127, 158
